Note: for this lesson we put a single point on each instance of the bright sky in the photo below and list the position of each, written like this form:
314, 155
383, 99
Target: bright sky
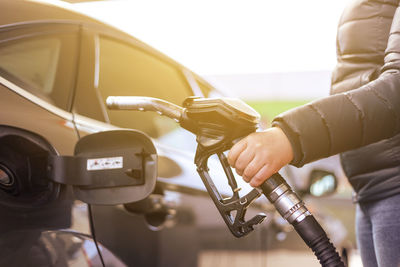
231, 37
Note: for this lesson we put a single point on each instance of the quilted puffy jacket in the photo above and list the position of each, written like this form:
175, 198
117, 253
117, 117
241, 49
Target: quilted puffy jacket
362, 116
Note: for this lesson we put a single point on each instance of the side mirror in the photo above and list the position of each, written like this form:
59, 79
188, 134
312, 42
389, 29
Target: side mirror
322, 183
112, 167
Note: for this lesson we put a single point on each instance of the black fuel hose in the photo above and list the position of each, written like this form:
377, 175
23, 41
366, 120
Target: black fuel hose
292, 208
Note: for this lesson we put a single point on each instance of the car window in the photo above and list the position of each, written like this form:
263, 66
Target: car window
43, 64
130, 71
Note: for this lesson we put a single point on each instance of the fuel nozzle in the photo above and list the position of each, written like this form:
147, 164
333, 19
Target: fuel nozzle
217, 124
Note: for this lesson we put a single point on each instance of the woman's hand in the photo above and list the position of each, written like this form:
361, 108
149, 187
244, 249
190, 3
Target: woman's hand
261, 154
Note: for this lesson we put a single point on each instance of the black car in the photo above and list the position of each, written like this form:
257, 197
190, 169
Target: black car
57, 68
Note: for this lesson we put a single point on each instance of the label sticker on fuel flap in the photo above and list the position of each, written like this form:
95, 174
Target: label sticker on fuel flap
104, 163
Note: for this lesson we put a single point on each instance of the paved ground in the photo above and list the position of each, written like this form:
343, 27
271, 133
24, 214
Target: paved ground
281, 258
275, 258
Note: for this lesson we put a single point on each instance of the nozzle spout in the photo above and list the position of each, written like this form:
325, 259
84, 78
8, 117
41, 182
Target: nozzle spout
142, 103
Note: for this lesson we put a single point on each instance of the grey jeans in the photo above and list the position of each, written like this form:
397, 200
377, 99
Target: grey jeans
378, 232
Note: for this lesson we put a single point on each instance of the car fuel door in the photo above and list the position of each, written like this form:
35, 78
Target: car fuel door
111, 167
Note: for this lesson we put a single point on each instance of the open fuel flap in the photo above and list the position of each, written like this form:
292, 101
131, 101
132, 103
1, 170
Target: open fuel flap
111, 167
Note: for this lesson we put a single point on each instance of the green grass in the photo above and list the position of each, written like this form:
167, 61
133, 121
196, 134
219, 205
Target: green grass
270, 109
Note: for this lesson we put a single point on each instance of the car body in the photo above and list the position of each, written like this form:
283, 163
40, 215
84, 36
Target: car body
56, 69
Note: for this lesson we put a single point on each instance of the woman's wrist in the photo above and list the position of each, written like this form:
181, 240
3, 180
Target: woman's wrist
287, 149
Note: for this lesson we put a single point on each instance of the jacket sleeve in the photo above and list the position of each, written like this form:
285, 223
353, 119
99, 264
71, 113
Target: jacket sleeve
352, 119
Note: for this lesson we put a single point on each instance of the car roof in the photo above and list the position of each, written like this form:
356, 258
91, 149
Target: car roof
15, 12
